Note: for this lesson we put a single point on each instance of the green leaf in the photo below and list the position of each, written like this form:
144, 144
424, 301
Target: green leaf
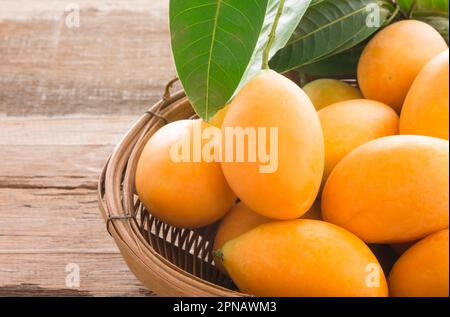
328, 27
433, 12
341, 64
424, 7
365, 32
213, 42
293, 11
218, 44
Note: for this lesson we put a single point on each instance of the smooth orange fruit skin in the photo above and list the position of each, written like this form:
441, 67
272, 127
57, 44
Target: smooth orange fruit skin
236, 222
391, 190
394, 57
325, 92
241, 219
422, 271
425, 111
186, 195
297, 258
349, 124
272, 100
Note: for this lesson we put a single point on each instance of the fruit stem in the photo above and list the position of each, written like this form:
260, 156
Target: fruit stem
219, 255
266, 54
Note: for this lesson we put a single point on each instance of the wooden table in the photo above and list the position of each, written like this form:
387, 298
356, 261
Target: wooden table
67, 95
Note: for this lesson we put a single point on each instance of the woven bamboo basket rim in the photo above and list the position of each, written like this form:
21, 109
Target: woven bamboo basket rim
139, 240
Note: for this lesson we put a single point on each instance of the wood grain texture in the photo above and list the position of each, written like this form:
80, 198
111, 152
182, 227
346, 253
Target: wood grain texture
67, 96
47, 274
48, 208
85, 130
116, 62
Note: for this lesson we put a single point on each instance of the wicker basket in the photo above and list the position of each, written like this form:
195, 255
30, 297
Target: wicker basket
167, 260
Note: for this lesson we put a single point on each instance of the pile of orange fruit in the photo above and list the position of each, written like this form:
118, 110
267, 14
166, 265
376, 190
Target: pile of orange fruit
357, 167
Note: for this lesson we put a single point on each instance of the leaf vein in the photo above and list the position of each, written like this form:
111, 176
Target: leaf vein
240, 12
300, 38
190, 9
213, 39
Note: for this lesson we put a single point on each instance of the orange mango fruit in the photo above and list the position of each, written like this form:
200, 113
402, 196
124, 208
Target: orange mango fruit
394, 57
302, 258
422, 271
271, 101
349, 124
325, 92
425, 111
183, 194
391, 190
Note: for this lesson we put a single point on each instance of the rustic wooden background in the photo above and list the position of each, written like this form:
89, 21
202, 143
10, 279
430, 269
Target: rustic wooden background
67, 95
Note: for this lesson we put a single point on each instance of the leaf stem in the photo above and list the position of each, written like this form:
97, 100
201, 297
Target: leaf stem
266, 54
393, 16
398, 10
411, 10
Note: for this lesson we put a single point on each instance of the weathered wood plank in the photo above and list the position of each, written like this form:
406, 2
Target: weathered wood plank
52, 220
48, 192
64, 131
104, 73
116, 62
45, 275
48, 207
51, 166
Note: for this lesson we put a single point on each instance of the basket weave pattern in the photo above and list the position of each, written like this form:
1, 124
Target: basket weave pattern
169, 261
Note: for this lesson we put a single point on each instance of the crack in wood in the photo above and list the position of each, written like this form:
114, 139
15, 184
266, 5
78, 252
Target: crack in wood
26, 289
35, 186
